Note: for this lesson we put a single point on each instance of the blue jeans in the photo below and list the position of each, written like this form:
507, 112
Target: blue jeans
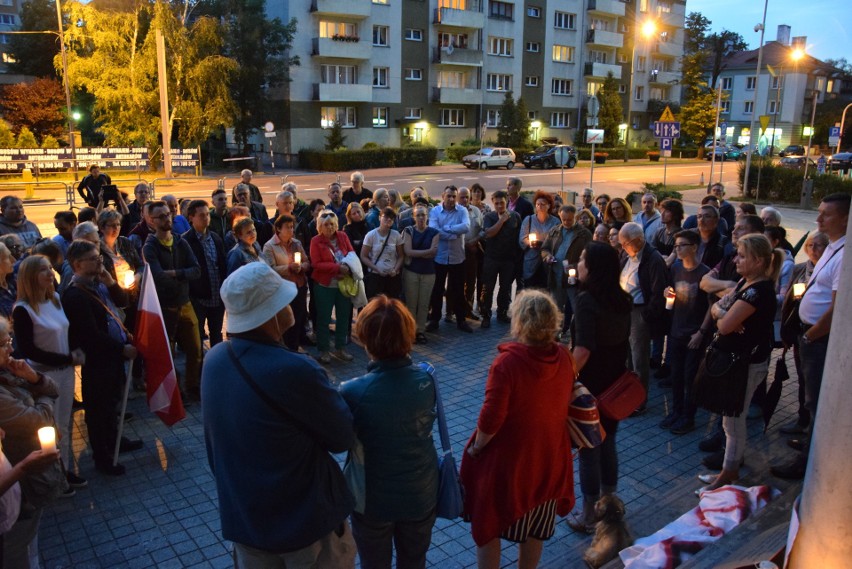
599, 465
376, 540
684, 365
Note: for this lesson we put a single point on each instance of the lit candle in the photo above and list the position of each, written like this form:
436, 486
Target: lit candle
47, 438
533, 238
572, 273
799, 290
129, 278
297, 257
670, 298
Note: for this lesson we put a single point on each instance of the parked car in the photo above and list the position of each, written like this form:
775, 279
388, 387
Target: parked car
840, 161
490, 157
546, 157
793, 150
726, 153
796, 163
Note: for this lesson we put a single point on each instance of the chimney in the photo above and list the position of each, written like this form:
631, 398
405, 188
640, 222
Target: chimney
783, 34
800, 42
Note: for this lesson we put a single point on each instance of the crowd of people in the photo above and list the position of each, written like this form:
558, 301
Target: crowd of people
587, 291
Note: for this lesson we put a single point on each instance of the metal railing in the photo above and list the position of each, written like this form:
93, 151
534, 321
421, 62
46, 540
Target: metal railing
40, 194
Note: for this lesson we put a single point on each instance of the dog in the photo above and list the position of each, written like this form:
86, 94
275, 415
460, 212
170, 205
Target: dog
611, 532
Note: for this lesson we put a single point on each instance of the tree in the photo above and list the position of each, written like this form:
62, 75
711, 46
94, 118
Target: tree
842, 64
611, 112
7, 139
33, 53
719, 46
694, 56
508, 121
38, 106
698, 116
26, 139
522, 132
49, 142
335, 139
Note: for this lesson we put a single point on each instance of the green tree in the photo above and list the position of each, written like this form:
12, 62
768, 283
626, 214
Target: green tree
508, 121
522, 125
694, 55
611, 112
33, 53
7, 139
335, 139
38, 106
698, 116
49, 142
26, 139
719, 46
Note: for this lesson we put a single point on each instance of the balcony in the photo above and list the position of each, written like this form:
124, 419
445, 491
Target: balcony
609, 7
451, 17
592, 69
456, 96
341, 48
345, 93
604, 38
348, 8
663, 77
670, 49
457, 56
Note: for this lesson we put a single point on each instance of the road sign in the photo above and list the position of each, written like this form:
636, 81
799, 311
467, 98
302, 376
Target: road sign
269, 134
594, 136
764, 122
667, 129
834, 136
593, 106
667, 115
268, 127
723, 132
560, 155
591, 121
665, 144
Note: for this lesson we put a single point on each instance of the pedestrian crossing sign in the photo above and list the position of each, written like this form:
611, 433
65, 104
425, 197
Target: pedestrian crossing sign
667, 115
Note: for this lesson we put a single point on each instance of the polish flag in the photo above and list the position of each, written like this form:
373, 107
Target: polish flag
153, 345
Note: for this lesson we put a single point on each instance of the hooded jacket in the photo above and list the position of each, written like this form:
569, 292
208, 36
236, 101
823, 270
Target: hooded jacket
25, 229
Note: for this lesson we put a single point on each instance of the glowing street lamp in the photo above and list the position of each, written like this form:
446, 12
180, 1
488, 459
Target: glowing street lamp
648, 29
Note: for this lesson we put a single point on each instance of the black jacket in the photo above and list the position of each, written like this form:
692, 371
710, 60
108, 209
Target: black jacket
200, 287
88, 326
653, 280
172, 291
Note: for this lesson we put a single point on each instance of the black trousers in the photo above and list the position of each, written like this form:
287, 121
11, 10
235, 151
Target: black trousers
215, 318
102, 389
293, 336
451, 279
494, 269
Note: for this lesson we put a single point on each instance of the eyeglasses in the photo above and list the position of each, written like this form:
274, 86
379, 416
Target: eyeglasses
98, 258
327, 214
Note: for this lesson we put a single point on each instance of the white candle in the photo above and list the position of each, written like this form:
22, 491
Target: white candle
297, 257
47, 438
129, 278
572, 273
799, 290
533, 238
670, 298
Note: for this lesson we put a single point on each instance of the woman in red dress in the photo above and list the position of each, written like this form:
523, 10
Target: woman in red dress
517, 468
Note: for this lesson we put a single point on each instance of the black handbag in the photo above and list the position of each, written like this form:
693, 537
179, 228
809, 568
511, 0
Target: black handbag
721, 381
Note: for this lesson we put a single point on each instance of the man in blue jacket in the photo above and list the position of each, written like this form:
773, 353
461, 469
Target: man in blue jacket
271, 418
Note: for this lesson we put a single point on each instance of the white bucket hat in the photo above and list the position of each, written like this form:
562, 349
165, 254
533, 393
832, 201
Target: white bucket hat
254, 294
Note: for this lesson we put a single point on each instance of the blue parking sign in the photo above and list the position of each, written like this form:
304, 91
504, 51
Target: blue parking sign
665, 144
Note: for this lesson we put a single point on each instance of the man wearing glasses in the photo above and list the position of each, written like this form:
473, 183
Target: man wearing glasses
133, 216
173, 265
712, 246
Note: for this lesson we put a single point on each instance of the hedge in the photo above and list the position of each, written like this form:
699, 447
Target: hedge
779, 184
339, 160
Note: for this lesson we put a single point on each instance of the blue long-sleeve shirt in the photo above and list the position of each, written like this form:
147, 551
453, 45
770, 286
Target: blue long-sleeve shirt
452, 225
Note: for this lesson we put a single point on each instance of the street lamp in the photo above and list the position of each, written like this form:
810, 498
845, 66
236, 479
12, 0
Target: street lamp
761, 27
71, 118
648, 29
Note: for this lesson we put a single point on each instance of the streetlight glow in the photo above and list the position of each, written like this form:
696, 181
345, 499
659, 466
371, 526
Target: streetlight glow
797, 54
649, 28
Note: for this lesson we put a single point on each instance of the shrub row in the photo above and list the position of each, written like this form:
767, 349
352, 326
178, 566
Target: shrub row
339, 160
779, 184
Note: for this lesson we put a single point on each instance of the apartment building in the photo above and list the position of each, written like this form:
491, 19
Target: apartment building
10, 20
783, 91
435, 71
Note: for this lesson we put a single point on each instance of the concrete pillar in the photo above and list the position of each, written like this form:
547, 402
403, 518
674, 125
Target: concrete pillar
825, 513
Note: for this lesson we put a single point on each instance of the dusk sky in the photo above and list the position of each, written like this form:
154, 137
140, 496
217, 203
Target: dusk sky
828, 29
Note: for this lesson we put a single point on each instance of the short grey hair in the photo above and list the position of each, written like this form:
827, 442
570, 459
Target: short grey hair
284, 194
651, 195
516, 182
588, 192
83, 229
632, 230
238, 188
106, 216
245, 172
356, 177
289, 187
380, 192
773, 213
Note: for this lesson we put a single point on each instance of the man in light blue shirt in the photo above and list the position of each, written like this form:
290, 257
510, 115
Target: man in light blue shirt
649, 218
452, 223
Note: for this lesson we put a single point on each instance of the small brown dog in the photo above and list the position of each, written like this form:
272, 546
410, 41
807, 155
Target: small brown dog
611, 532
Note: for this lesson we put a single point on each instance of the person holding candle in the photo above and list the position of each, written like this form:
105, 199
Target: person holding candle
121, 259
564, 242
393, 415
288, 258
41, 330
534, 230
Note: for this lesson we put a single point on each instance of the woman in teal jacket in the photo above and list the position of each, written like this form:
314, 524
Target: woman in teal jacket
393, 409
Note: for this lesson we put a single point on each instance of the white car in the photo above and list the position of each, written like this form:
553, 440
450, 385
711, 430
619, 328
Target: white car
490, 157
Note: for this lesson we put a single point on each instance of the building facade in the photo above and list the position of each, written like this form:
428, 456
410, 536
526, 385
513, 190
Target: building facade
435, 71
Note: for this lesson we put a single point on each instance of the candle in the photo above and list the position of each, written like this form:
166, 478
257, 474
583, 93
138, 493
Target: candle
129, 279
670, 298
572, 273
533, 238
799, 290
297, 257
47, 438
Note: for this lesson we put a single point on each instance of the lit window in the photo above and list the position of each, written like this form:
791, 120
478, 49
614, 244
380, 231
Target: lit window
380, 117
563, 53
345, 116
337, 30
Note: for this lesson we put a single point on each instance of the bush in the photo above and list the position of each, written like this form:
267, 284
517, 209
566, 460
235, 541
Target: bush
340, 160
779, 184
369, 145
656, 189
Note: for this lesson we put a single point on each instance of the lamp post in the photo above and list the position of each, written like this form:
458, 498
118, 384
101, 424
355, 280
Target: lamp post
761, 27
71, 140
648, 30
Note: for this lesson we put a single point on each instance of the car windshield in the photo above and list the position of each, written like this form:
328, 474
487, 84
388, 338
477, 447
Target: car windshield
542, 149
486, 152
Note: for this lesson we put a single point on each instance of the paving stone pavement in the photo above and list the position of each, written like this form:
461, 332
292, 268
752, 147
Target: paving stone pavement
163, 512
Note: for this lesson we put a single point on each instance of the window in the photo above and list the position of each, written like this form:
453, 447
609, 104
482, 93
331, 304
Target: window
413, 112
5, 39
340, 29
500, 46
492, 117
751, 82
534, 12
380, 117
380, 76
413, 74
532, 115
561, 86
501, 10
560, 120
622, 88
748, 108
563, 53
533, 47
446, 39
773, 107
664, 7
775, 83
658, 93
413, 34
7, 3
338, 74
664, 36
640, 93
498, 82
726, 107
452, 79
454, 4
531, 81
345, 116
820, 83
7, 19
622, 57
380, 36
596, 56
592, 88
643, 5
385, 2
599, 24
451, 117
565, 21
9, 58
641, 62
727, 82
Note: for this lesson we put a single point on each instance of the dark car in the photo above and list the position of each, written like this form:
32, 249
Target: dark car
726, 153
547, 157
793, 150
796, 163
840, 161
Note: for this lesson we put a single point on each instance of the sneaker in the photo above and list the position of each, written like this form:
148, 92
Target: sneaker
129, 445
325, 358
794, 428
343, 355
110, 469
75, 481
69, 493
713, 442
669, 420
683, 425
793, 470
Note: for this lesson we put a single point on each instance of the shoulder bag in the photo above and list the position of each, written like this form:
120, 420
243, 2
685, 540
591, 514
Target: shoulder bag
623, 397
584, 421
721, 381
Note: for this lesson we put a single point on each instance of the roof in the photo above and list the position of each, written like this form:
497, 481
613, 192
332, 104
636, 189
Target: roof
776, 54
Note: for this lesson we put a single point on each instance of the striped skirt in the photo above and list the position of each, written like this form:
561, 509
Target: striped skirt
540, 523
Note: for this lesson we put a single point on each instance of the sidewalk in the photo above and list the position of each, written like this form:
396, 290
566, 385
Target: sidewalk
163, 512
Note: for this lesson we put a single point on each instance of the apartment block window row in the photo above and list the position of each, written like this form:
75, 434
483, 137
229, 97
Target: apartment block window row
498, 82
451, 117
413, 34
344, 116
560, 119
561, 87
380, 117
339, 74
500, 46
501, 10
563, 53
380, 36
565, 21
